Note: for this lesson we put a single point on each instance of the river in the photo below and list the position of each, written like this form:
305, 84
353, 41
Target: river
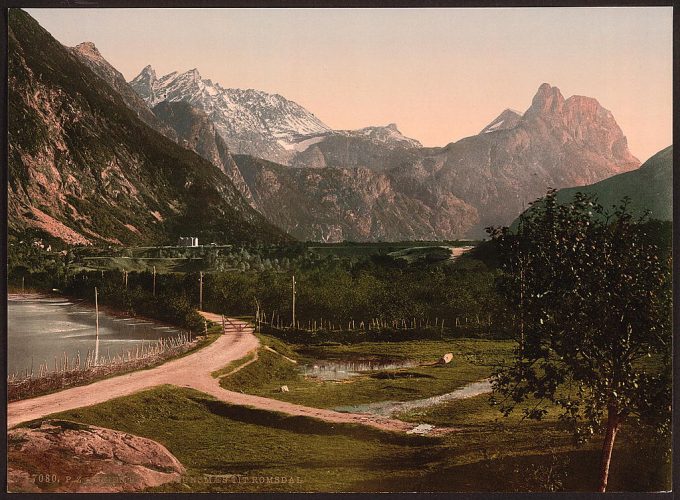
40, 328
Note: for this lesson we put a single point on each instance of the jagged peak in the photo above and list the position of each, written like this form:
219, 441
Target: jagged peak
88, 48
147, 73
548, 99
508, 119
510, 111
585, 105
192, 73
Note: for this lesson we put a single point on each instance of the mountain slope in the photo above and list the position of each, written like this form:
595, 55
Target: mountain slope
650, 187
373, 148
336, 204
250, 121
92, 58
196, 131
83, 168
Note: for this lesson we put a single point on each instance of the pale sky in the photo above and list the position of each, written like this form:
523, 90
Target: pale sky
440, 74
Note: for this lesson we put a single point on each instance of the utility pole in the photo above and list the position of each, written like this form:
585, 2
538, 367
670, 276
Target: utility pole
96, 343
293, 301
154, 281
200, 291
125, 275
23, 281
257, 316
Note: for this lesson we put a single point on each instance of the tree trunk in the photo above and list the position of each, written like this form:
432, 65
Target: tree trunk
613, 422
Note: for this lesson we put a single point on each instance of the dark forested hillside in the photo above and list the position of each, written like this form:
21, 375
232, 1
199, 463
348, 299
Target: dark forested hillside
83, 168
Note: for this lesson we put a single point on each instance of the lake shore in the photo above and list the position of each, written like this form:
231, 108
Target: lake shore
42, 382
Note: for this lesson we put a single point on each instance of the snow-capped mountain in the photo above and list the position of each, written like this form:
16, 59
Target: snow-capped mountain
250, 121
388, 135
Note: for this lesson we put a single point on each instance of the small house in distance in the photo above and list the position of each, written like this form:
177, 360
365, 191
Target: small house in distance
188, 241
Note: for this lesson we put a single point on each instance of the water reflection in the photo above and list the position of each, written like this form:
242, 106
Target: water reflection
41, 328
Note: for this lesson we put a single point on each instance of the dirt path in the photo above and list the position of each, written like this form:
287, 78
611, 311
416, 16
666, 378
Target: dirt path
192, 371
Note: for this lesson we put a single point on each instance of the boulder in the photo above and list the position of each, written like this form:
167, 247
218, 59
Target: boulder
65, 456
445, 359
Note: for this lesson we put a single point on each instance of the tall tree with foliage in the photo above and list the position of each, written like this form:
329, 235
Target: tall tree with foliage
594, 301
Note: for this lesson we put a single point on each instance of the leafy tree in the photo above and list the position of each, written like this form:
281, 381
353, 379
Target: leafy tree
595, 302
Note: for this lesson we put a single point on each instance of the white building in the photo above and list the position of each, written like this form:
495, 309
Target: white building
188, 241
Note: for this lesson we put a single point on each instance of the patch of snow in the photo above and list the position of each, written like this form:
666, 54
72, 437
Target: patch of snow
494, 126
302, 145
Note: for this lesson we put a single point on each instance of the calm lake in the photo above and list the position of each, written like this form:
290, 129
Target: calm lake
41, 328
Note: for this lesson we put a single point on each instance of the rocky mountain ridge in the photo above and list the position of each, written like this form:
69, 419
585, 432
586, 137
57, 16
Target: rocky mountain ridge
348, 185
451, 192
249, 121
365, 185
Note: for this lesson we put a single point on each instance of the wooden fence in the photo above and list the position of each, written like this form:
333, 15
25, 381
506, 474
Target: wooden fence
63, 364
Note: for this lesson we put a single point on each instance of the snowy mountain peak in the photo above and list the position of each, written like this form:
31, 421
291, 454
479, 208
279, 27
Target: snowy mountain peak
389, 135
250, 121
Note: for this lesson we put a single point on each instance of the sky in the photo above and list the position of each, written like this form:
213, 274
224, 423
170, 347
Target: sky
439, 74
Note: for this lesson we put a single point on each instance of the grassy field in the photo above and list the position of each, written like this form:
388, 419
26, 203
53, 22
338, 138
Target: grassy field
490, 453
227, 448
473, 359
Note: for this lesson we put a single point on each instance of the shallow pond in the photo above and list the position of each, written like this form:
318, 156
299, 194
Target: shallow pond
344, 369
41, 328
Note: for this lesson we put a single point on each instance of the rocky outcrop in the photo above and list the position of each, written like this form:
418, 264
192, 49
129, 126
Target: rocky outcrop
63, 456
556, 143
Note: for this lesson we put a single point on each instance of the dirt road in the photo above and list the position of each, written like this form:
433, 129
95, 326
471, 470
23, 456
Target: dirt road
191, 371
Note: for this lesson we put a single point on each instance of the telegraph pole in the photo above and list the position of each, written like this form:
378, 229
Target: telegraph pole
96, 344
154, 281
293, 301
200, 291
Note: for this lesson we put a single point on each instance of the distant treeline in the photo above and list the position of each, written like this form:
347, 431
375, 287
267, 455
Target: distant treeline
461, 293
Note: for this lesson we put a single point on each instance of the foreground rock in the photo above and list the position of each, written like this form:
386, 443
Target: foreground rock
445, 359
63, 456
